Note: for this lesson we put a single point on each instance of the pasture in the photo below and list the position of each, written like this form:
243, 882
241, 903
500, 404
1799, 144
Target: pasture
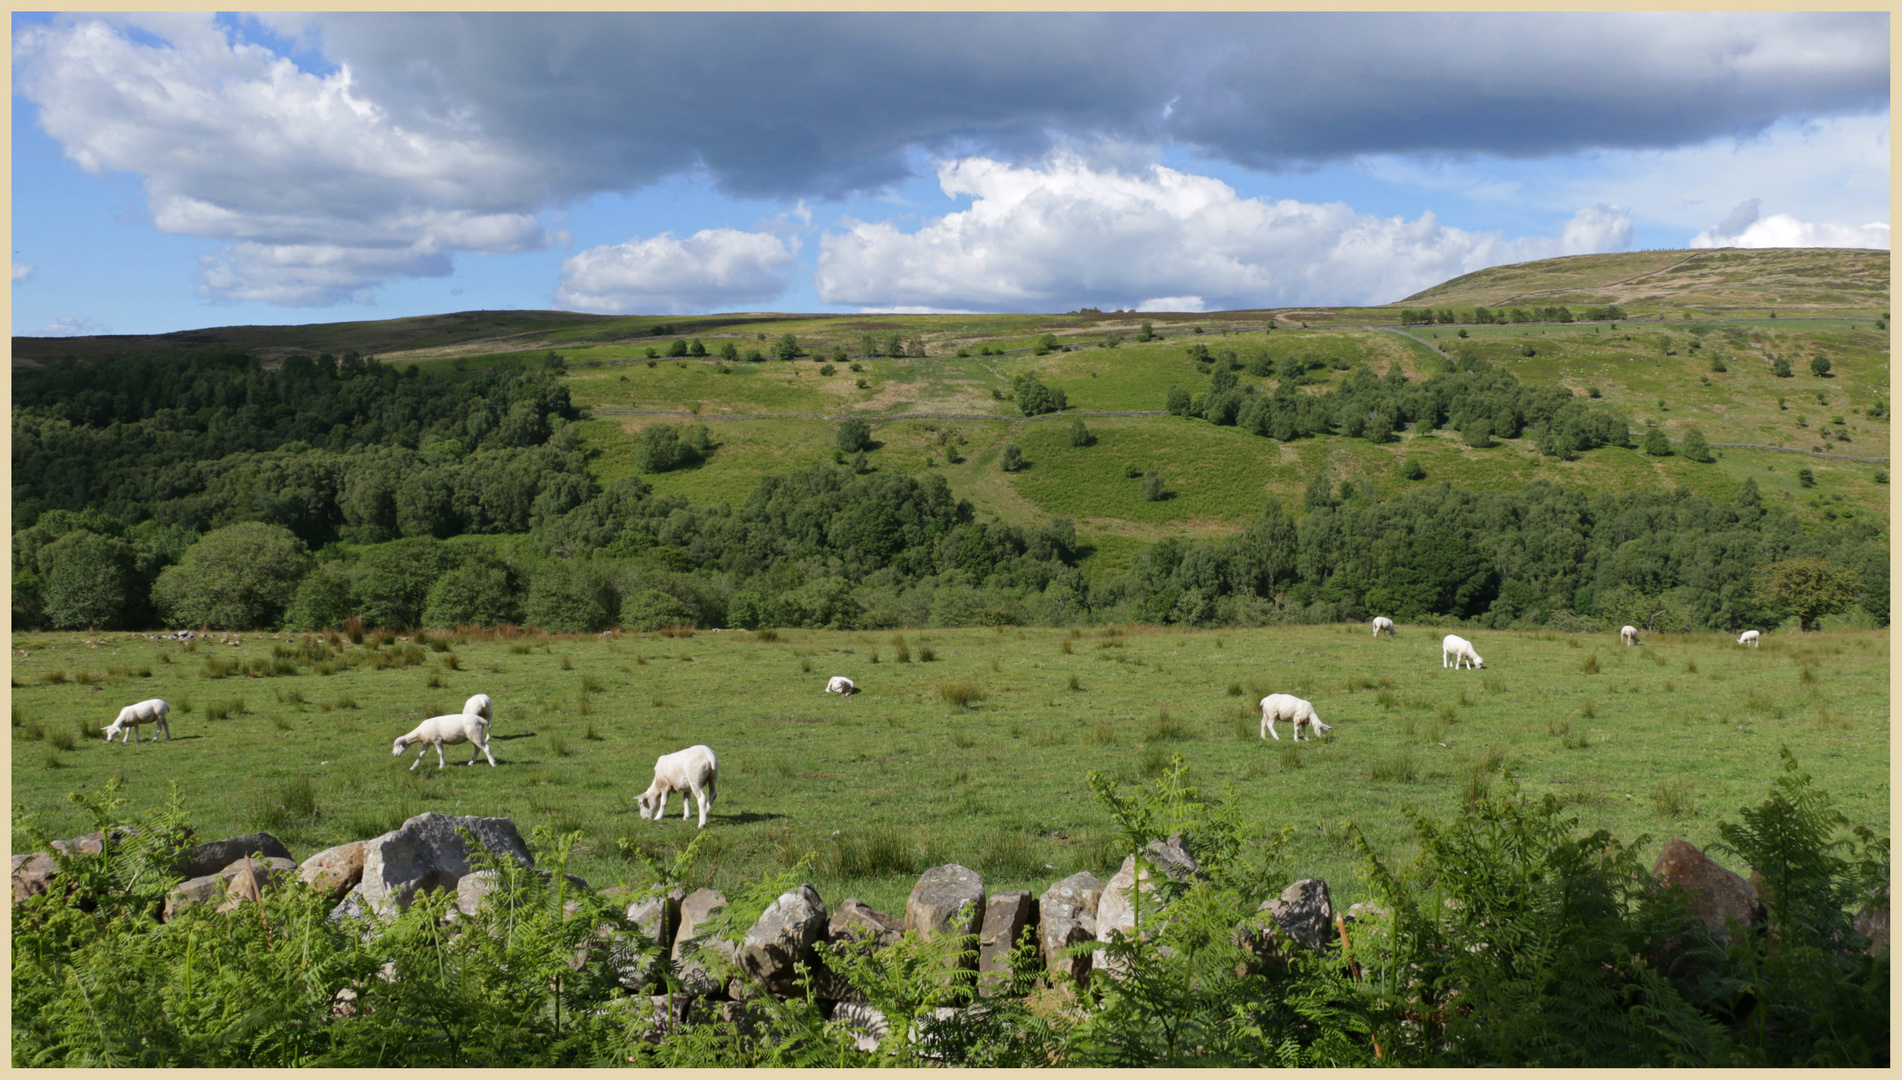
967, 745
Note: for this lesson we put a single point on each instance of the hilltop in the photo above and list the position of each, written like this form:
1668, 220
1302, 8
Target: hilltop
1723, 281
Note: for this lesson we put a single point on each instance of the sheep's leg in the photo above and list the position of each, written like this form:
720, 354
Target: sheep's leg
700, 798
440, 764
1270, 721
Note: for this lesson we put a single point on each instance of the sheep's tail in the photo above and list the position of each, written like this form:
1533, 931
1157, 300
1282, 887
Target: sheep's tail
713, 780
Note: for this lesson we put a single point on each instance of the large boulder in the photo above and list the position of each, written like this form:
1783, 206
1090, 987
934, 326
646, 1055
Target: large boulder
32, 874
782, 938
657, 916
428, 854
940, 894
1305, 912
251, 878
472, 887
1717, 894
696, 909
1006, 917
211, 857
1173, 859
217, 888
861, 922
333, 871
1066, 916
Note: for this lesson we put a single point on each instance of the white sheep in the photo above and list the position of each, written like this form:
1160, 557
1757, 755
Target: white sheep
149, 711
1382, 622
480, 705
1751, 637
1292, 709
450, 730
839, 684
694, 770
1628, 635
1458, 650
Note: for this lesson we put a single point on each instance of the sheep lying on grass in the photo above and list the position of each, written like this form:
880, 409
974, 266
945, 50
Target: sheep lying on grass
480, 705
1382, 622
694, 771
149, 711
1751, 637
1628, 635
1458, 650
1296, 711
451, 729
839, 684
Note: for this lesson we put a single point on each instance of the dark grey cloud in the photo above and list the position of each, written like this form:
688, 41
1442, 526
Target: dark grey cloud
823, 105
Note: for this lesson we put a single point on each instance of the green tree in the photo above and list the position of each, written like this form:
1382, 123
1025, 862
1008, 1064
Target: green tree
1478, 432
1656, 444
1147, 334
651, 609
1154, 489
394, 579
320, 602
677, 347
787, 347
853, 435
1012, 460
1412, 470
1079, 433
480, 592
86, 581
1696, 447
1036, 399
566, 596
729, 352
1179, 401
1806, 478
240, 577
1780, 367
696, 348
1808, 588
662, 447
1819, 367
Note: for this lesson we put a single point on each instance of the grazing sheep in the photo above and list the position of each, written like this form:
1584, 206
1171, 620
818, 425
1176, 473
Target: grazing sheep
1751, 637
150, 711
1628, 635
839, 684
1292, 709
1457, 649
480, 705
450, 729
694, 770
1382, 622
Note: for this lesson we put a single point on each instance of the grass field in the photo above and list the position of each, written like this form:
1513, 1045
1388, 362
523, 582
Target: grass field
1661, 739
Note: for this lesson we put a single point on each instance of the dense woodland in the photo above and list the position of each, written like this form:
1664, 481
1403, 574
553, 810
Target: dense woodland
214, 491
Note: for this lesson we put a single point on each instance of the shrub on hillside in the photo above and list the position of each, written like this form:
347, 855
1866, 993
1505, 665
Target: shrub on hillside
853, 435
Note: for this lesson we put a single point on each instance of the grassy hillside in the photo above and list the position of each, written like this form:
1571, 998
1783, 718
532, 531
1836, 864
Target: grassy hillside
950, 414
1660, 740
1806, 281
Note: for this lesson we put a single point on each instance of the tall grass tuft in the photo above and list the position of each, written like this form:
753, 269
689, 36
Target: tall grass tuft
1589, 665
875, 853
1009, 853
1075, 684
1167, 728
1401, 767
1673, 798
961, 693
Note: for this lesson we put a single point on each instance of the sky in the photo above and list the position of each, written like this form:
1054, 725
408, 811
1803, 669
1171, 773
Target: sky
180, 171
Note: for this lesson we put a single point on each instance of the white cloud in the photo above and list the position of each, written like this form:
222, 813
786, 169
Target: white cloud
67, 326
322, 193
21, 272
713, 268
1067, 234
1745, 229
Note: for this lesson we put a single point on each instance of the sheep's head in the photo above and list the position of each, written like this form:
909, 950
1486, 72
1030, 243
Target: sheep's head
647, 804
402, 744
111, 730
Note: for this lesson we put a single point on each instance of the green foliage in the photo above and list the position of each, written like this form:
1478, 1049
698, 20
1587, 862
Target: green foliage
566, 596
662, 447
1079, 432
1012, 459
1780, 367
786, 347
483, 591
1807, 588
239, 577
321, 601
1696, 446
1656, 444
86, 580
853, 435
1154, 489
393, 581
1819, 366
1034, 398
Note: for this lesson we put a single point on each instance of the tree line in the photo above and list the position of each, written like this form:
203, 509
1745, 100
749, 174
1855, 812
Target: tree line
243, 523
